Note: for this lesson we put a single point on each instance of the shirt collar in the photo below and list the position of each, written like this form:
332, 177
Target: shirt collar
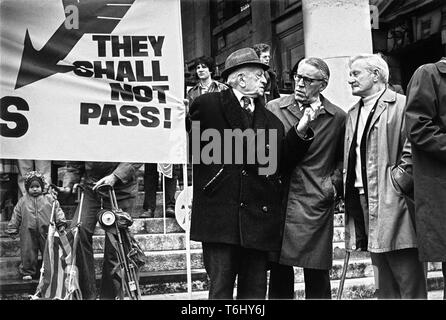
202, 86
314, 105
239, 96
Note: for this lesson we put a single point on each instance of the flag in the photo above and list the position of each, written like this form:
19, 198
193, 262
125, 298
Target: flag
166, 169
59, 277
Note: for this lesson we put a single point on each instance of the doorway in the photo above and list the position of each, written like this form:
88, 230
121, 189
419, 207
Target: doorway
411, 57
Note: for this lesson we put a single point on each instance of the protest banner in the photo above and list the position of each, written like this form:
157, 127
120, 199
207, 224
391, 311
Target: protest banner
97, 80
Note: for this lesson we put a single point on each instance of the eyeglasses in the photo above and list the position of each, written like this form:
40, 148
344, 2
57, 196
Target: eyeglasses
307, 81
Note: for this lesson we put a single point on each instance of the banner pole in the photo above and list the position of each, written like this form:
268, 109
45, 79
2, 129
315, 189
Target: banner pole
164, 204
188, 253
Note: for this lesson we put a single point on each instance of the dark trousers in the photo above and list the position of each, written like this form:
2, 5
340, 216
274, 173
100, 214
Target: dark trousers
111, 280
179, 169
224, 263
400, 274
31, 242
151, 180
443, 269
281, 281
317, 284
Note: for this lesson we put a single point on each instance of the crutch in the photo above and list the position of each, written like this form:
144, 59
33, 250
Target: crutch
344, 273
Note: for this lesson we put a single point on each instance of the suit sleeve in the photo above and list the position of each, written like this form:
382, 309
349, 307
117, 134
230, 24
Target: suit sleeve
125, 171
421, 113
73, 173
336, 176
401, 173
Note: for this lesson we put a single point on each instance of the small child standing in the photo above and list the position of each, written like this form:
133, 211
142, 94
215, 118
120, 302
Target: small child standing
31, 219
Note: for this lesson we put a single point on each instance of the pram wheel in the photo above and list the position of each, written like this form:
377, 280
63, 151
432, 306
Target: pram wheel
106, 218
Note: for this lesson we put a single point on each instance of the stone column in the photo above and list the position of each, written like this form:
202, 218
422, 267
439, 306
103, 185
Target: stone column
261, 17
443, 29
334, 30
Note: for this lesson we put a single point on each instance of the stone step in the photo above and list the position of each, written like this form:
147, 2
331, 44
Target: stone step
359, 264
151, 283
151, 241
358, 267
159, 199
195, 295
173, 286
338, 234
149, 225
435, 295
156, 261
160, 261
139, 226
338, 220
354, 288
147, 242
166, 257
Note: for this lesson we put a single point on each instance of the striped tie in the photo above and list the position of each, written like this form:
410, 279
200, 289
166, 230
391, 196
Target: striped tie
246, 103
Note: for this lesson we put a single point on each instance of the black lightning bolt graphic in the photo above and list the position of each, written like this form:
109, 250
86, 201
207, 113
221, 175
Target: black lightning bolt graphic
95, 16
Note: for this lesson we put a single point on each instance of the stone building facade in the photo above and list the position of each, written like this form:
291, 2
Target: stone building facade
408, 33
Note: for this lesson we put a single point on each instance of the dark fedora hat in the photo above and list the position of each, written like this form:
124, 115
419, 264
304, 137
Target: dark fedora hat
242, 57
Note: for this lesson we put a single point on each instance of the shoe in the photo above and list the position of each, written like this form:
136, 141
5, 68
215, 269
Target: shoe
170, 212
147, 214
27, 278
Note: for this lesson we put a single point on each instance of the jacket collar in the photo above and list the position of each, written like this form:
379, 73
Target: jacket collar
388, 96
441, 65
290, 103
328, 106
233, 111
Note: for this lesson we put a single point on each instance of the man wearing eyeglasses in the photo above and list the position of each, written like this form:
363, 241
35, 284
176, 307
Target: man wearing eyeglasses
236, 209
313, 185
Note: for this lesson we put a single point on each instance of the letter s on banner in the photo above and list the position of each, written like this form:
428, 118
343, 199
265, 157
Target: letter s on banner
21, 123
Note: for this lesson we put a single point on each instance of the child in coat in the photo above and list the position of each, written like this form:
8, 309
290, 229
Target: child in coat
30, 219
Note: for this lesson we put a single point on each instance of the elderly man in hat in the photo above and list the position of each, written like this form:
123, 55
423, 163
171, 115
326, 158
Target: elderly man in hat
236, 208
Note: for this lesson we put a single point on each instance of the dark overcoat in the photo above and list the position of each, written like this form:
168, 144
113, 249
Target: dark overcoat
233, 203
426, 130
308, 231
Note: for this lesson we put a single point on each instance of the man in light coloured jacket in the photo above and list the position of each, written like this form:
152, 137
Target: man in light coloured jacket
376, 214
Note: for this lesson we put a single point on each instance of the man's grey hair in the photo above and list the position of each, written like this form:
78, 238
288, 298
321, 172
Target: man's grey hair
319, 64
233, 76
374, 62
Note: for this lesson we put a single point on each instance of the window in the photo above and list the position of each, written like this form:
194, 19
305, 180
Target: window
226, 9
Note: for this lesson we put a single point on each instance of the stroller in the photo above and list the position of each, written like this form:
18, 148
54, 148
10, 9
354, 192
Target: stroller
116, 223
59, 276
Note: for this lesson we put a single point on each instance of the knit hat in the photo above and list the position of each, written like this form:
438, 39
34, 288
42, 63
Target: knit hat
34, 176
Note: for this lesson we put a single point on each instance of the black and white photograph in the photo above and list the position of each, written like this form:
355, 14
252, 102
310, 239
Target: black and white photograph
223, 158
